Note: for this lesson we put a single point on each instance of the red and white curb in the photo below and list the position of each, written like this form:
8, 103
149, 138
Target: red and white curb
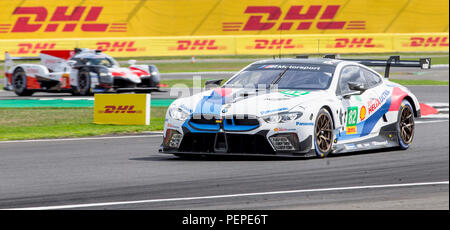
434, 110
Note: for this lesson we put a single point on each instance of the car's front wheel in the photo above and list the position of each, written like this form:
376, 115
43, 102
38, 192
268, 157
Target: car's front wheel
405, 125
323, 133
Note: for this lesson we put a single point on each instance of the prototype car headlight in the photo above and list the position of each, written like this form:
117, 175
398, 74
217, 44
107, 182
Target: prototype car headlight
178, 114
282, 117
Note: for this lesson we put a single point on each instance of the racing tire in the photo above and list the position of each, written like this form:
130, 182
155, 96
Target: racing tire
19, 82
405, 125
323, 133
84, 83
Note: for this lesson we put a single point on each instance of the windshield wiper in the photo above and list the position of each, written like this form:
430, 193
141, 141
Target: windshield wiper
278, 78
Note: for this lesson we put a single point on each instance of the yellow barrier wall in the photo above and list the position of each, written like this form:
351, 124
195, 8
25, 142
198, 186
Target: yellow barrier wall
122, 109
135, 18
195, 27
229, 45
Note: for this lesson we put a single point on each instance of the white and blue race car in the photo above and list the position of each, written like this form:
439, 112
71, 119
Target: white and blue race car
296, 107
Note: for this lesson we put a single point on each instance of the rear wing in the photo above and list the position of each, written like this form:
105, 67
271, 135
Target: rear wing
9, 61
392, 61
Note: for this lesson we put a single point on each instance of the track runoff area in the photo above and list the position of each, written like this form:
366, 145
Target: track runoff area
412, 179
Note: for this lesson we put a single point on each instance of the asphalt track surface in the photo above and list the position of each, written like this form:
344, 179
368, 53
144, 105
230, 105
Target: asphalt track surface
97, 173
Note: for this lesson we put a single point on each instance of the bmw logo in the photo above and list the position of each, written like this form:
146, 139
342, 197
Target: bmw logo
224, 110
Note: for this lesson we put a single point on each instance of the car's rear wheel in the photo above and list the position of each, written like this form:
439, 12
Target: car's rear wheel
19, 81
405, 125
84, 83
323, 133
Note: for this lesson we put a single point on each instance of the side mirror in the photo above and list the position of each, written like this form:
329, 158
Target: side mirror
211, 84
358, 89
71, 63
132, 62
357, 86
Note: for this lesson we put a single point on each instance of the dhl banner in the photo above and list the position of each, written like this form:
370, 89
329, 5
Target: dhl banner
122, 109
36, 19
232, 45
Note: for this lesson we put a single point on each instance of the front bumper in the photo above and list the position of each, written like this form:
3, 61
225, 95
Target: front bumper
233, 144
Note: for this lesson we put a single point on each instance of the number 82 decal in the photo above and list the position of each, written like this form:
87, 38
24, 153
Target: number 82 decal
352, 119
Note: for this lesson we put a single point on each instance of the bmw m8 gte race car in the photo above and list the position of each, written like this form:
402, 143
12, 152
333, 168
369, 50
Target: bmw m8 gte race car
296, 107
79, 71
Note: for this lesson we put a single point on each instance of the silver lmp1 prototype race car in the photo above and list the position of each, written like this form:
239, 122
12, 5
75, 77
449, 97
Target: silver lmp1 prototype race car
79, 71
296, 107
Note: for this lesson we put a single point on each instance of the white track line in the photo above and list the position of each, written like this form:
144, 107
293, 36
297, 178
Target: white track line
232, 196
438, 115
159, 134
437, 104
429, 121
80, 139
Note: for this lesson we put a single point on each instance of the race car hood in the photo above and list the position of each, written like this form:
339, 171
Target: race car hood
228, 101
125, 73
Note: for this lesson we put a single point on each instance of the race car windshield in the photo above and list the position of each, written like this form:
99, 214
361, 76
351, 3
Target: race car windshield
95, 61
285, 76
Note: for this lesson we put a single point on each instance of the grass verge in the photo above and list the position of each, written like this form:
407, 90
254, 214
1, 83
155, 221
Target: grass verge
36, 123
190, 83
419, 82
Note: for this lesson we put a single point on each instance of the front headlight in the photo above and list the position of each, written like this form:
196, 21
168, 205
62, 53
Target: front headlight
282, 117
178, 114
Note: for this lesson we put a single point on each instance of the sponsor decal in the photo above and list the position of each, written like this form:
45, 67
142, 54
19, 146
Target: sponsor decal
294, 93
377, 143
293, 67
304, 123
427, 41
296, 18
362, 113
118, 46
360, 42
273, 110
350, 146
197, 44
276, 99
119, 109
122, 109
283, 129
33, 48
268, 44
352, 119
62, 19
374, 103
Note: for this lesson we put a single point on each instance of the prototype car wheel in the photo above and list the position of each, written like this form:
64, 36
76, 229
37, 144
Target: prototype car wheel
84, 83
19, 81
323, 133
405, 125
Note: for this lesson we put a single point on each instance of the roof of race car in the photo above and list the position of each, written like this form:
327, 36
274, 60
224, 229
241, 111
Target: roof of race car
323, 61
90, 55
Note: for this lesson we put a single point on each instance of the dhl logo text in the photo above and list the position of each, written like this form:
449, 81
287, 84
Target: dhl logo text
274, 44
30, 48
118, 46
298, 17
354, 43
206, 44
40, 18
428, 41
119, 109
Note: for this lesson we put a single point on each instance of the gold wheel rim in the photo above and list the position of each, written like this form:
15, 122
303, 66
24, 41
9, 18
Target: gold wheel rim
323, 133
406, 125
